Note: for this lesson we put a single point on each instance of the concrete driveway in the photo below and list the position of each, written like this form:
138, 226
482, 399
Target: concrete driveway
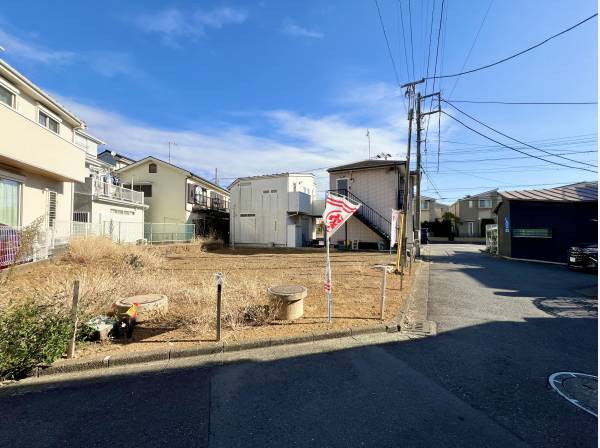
503, 328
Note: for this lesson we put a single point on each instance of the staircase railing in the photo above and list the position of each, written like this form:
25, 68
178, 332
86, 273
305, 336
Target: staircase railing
375, 219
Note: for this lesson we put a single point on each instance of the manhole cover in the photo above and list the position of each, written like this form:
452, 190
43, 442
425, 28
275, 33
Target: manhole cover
579, 389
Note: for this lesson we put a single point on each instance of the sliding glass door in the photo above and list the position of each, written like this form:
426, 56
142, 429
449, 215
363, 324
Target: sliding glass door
9, 202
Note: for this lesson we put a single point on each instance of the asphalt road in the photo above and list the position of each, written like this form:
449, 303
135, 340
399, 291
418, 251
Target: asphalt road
503, 326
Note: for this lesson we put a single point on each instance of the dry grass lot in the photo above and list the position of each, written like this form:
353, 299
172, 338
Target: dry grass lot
185, 273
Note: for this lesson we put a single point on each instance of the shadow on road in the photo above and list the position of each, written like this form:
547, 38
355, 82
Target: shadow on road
481, 385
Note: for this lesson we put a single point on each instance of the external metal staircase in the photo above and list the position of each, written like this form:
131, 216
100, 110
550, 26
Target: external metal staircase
369, 216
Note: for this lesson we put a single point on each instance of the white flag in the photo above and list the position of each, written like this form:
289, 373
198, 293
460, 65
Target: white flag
337, 211
394, 227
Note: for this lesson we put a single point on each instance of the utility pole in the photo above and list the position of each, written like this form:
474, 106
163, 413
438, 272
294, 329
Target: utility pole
410, 92
420, 116
216, 176
418, 198
406, 186
369, 139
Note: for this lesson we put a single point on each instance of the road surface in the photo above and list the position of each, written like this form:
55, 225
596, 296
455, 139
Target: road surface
503, 326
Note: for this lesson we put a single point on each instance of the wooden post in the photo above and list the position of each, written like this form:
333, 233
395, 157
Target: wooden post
74, 318
219, 280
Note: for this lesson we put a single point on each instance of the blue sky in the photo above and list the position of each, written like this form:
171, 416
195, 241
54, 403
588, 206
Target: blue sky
273, 86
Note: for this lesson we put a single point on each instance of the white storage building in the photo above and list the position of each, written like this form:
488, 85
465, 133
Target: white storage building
274, 210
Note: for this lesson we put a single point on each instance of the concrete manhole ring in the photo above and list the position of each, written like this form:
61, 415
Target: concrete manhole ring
579, 389
148, 304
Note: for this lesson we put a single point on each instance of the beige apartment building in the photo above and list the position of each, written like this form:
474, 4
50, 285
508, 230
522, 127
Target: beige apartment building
49, 168
379, 186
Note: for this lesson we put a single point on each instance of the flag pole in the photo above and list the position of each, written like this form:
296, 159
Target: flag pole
328, 279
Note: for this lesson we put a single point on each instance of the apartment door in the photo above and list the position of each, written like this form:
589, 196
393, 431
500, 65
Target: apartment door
471, 228
342, 185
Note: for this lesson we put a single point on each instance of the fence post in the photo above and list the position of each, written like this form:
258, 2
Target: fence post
74, 318
219, 280
383, 286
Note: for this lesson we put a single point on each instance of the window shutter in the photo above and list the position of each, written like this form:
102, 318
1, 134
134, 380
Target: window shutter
191, 190
51, 208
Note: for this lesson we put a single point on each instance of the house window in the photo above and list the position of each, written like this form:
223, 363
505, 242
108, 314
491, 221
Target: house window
146, 188
425, 205
9, 202
470, 204
51, 209
485, 203
532, 233
152, 168
7, 97
48, 122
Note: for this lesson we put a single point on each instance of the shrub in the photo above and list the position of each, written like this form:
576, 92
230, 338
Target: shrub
31, 334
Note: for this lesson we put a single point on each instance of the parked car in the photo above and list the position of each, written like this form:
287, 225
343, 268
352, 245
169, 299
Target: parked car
584, 256
319, 242
9, 245
424, 235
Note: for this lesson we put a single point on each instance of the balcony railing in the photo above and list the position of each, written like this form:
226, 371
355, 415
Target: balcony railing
97, 188
204, 201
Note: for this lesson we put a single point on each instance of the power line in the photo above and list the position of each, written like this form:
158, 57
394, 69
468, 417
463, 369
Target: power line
437, 50
412, 48
472, 45
543, 103
512, 138
401, 20
515, 149
512, 186
432, 184
387, 42
516, 54
507, 158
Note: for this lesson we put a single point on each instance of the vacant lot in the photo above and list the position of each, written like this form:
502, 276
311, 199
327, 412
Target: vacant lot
185, 273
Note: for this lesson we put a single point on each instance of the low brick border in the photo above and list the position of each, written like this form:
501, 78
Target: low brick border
211, 348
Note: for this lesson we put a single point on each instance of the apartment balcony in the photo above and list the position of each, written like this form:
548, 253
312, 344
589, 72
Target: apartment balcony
101, 190
27, 145
205, 202
299, 202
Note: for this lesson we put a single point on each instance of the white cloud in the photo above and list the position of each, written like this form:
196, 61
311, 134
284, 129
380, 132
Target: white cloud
173, 24
297, 143
111, 64
298, 31
19, 49
105, 63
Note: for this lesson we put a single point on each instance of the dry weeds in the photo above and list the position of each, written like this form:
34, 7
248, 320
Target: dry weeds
185, 274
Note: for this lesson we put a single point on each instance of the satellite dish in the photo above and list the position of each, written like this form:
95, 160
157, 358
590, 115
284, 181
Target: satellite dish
112, 153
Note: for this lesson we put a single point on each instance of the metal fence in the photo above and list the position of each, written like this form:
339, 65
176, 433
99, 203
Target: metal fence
26, 244
22, 245
167, 232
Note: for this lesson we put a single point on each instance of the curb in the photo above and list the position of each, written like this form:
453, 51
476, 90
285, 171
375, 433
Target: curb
213, 348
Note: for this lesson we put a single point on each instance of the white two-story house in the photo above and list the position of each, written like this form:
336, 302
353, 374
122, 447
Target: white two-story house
274, 210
